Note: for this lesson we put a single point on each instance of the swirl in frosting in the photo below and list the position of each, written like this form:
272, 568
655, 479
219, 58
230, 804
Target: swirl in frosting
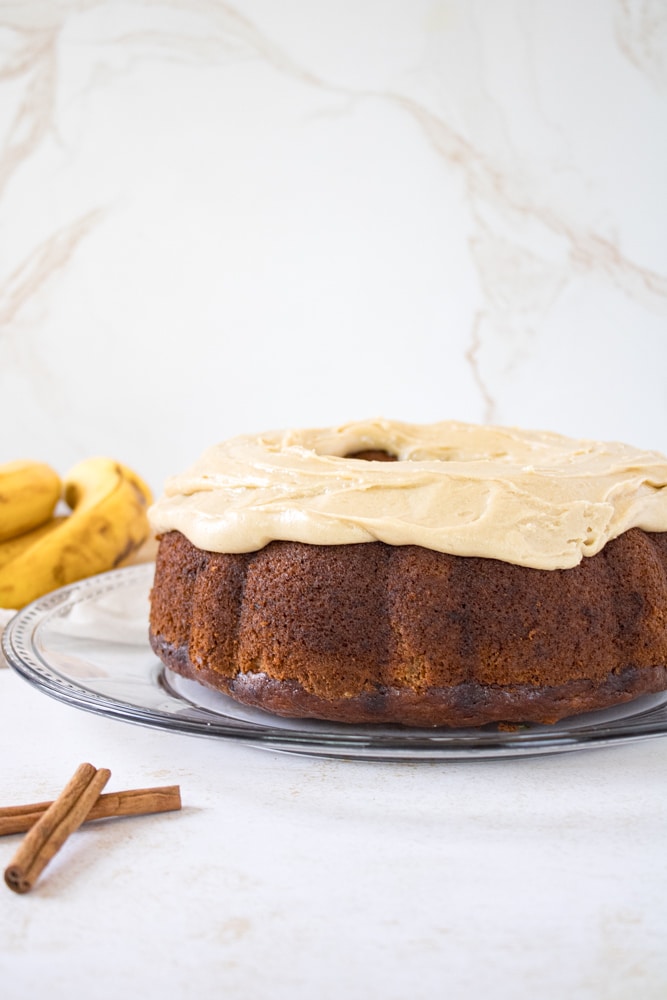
527, 497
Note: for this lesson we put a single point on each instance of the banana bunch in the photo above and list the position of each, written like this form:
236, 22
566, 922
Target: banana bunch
41, 550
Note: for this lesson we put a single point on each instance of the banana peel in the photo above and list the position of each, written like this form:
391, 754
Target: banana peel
15, 547
107, 525
29, 492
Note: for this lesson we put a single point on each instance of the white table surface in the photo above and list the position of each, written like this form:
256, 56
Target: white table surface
285, 876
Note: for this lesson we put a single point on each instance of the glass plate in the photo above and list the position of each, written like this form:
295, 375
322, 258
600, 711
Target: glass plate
87, 646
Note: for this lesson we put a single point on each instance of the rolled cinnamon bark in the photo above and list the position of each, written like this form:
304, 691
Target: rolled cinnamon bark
132, 802
51, 831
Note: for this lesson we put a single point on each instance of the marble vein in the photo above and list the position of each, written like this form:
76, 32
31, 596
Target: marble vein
641, 34
50, 256
472, 357
35, 61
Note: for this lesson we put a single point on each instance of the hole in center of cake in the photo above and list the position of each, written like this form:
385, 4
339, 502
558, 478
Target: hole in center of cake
373, 455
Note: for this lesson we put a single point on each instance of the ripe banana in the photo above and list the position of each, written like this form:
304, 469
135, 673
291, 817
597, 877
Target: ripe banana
14, 547
29, 492
108, 522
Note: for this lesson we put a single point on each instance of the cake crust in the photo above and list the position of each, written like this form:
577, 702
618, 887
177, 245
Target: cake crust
375, 633
462, 705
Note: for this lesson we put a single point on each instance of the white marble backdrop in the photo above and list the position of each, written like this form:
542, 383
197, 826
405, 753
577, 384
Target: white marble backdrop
226, 217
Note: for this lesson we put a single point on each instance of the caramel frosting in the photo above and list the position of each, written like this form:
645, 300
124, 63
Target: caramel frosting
528, 497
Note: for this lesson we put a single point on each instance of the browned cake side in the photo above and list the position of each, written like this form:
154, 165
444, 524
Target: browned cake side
377, 633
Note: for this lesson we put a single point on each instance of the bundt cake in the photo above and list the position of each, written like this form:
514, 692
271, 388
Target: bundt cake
440, 575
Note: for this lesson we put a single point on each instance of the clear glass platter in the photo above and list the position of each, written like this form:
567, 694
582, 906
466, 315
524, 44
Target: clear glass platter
86, 645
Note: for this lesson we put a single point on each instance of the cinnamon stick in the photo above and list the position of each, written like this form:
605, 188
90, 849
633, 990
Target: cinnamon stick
51, 831
132, 802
